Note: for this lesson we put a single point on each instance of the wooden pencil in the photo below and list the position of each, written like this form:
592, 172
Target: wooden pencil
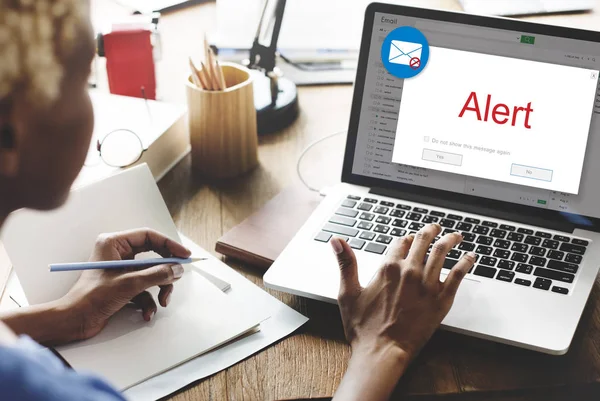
220, 75
195, 76
205, 73
213, 70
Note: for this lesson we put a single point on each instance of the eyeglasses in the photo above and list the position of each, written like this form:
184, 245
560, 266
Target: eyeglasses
119, 148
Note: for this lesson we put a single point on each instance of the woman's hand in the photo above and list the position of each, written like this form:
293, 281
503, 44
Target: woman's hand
99, 294
388, 322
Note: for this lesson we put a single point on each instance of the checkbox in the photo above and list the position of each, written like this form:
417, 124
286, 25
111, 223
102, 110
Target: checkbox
426, 138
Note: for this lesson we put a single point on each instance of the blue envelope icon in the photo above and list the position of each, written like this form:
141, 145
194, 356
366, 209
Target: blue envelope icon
402, 52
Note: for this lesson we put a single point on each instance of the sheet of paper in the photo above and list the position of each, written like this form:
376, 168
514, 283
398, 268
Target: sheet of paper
284, 321
5, 269
130, 350
35, 239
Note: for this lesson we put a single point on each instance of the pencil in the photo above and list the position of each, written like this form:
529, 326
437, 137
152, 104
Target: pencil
220, 75
213, 72
120, 264
195, 75
206, 75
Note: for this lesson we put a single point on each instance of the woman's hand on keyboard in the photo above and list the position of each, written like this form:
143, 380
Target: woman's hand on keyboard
389, 321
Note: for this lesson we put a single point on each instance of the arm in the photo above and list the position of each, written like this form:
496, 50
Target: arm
388, 322
99, 294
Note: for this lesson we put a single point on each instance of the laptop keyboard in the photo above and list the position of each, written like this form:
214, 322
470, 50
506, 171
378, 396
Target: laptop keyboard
518, 255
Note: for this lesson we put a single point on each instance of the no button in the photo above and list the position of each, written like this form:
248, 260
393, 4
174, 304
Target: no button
534, 173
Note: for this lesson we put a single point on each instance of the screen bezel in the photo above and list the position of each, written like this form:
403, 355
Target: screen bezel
509, 210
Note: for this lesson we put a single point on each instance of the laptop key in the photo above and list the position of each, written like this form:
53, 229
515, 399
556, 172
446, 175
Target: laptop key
524, 268
416, 226
551, 244
505, 275
496, 233
481, 230
367, 216
519, 257
381, 210
398, 232
365, 206
542, 283
447, 223
543, 234
560, 290
482, 239
537, 251
369, 236
349, 203
335, 229
384, 239
375, 248
383, 220
449, 263
554, 275
454, 254
342, 211
344, 221
472, 220
371, 200
563, 266
531, 240
448, 231
462, 226
515, 237
323, 237
573, 258
420, 210
506, 264
454, 217
397, 213
466, 246
537, 261
403, 207
468, 237
353, 197
356, 243
501, 253
437, 213
521, 281
380, 228
507, 227
430, 219
483, 250
557, 255
580, 242
489, 224
488, 261
500, 243
519, 248
364, 225
561, 238
399, 223
526, 231
414, 216
386, 203
485, 271
570, 248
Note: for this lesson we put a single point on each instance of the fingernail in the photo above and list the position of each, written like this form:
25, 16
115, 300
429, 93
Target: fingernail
168, 300
337, 246
177, 271
472, 255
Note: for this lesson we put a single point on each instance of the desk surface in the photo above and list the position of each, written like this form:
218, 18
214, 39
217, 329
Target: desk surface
310, 363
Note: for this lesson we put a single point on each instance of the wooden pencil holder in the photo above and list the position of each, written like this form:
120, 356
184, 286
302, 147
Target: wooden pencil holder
223, 131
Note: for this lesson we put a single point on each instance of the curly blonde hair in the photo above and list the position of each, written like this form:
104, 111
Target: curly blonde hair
36, 36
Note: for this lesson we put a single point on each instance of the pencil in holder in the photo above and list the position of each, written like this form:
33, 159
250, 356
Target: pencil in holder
223, 131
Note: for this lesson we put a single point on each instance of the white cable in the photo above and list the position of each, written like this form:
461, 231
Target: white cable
305, 151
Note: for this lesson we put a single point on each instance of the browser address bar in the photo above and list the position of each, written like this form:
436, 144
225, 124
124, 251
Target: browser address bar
467, 31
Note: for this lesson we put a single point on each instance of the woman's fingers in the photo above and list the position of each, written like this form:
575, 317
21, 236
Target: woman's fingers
421, 243
161, 275
398, 250
437, 256
164, 295
349, 284
130, 243
145, 302
457, 273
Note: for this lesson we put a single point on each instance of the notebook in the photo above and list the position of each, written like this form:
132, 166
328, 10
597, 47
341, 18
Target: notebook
129, 350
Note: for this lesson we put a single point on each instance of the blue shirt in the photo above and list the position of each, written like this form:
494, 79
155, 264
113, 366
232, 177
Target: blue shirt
29, 372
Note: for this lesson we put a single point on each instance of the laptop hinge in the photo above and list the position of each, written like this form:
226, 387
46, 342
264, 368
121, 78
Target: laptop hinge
563, 226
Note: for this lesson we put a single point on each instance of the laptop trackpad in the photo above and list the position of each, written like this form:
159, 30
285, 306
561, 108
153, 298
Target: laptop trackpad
465, 297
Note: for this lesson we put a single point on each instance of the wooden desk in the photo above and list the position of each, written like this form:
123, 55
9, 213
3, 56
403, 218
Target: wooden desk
311, 362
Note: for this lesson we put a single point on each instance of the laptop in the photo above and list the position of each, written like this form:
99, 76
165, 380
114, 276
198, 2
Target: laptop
498, 138
525, 7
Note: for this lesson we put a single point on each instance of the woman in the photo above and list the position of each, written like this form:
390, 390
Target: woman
46, 122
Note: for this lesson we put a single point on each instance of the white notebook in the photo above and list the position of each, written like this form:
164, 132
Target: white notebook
129, 350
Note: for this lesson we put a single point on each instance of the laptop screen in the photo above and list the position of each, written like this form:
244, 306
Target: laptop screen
508, 115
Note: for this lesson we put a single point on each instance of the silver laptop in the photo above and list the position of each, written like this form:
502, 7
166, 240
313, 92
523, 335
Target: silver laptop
497, 138
525, 7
